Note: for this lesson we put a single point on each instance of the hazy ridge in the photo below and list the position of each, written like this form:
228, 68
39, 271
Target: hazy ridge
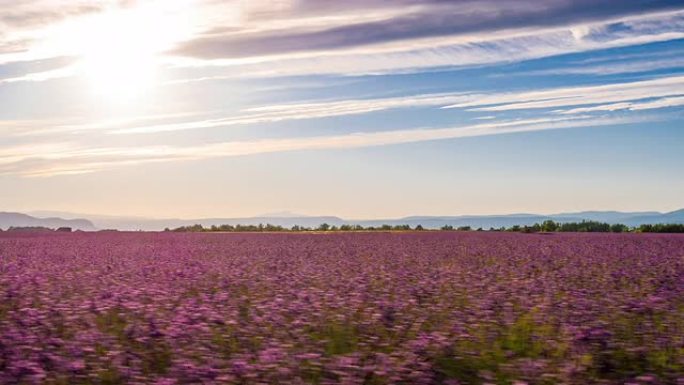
54, 219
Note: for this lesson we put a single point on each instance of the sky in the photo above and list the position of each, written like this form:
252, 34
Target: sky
361, 109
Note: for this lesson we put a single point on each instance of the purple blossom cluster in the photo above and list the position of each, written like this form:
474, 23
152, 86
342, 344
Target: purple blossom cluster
362, 308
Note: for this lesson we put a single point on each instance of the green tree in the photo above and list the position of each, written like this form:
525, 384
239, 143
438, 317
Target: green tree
549, 226
619, 228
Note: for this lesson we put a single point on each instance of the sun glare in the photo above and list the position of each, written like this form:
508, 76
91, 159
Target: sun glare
120, 50
118, 59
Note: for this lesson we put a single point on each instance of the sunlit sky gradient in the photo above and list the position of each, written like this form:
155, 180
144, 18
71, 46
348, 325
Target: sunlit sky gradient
361, 109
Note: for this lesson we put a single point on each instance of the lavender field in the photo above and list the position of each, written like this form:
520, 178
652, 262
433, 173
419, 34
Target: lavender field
362, 308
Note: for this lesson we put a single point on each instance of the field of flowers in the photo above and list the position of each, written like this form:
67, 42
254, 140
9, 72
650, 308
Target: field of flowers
361, 308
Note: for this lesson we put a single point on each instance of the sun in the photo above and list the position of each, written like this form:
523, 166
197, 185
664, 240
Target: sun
119, 51
118, 59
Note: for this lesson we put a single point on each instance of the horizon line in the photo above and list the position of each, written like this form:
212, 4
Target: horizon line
37, 214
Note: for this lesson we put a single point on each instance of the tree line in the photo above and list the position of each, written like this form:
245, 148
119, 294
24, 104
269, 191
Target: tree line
548, 226
296, 228
38, 229
597, 227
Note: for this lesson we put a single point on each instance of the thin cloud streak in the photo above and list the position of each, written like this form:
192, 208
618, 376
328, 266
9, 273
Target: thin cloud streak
58, 73
37, 128
631, 106
454, 51
76, 161
559, 97
430, 20
571, 96
407, 51
614, 68
302, 111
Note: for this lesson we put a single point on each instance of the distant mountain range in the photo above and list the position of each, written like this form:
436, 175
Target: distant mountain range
23, 220
54, 219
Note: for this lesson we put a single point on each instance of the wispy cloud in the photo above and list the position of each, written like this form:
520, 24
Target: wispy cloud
32, 13
260, 39
238, 39
655, 93
612, 68
26, 25
255, 115
573, 96
67, 160
538, 99
604, 96
632, 106
302, 111
80, 125
42, 76
413, 53
427, 19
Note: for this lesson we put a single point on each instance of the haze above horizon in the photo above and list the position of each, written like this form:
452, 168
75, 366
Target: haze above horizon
362, 109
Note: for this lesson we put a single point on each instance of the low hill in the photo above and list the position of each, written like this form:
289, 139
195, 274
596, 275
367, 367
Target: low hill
288, 220
674, 217
8, 220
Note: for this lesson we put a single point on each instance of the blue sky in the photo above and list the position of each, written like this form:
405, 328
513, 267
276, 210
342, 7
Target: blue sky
360, 109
